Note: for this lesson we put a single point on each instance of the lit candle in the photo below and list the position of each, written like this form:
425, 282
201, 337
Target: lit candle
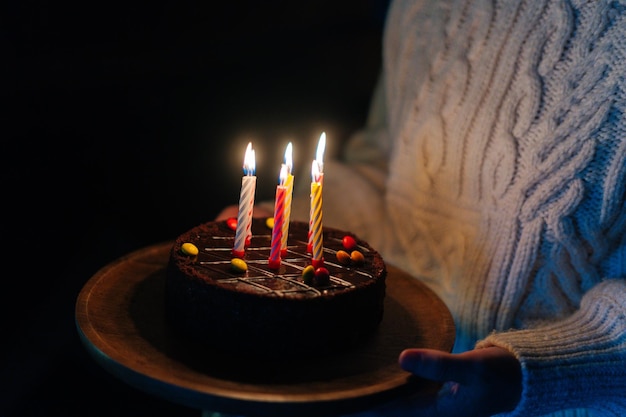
288, 197
243, 232
317, 247
319, 155
319, 160
279, 219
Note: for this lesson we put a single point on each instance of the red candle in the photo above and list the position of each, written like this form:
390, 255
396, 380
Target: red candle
279, 218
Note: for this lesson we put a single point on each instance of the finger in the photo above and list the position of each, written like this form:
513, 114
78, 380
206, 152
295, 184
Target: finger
435, 365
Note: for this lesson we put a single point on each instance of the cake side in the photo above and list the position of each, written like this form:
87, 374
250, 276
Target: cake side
272, 312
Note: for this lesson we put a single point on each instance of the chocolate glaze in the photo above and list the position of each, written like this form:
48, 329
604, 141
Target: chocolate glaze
206, 298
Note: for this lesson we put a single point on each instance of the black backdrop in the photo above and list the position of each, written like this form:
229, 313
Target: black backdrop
124, 125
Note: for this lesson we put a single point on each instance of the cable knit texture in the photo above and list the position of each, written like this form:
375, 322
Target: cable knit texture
509, 153
496, 174
577, 361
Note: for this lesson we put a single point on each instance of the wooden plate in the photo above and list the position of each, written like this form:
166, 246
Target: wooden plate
120, 318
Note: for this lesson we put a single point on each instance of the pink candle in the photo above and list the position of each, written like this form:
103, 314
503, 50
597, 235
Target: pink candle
288, 197
316, 234
319, 160
279, 218
243, 232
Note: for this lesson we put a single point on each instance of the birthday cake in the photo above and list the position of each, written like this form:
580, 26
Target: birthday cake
240, 304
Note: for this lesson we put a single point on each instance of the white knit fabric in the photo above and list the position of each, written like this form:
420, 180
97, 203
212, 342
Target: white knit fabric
493, 168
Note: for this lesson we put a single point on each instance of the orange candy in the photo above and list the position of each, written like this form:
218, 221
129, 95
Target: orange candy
343, 257
357, 257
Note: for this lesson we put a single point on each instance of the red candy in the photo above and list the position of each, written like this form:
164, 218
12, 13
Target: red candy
231, 222
349, 242
322, 277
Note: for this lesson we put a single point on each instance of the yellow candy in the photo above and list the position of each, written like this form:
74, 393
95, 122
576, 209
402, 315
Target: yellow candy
269, 222
238, 265
357, 257
189, 249
308, 274
343, 257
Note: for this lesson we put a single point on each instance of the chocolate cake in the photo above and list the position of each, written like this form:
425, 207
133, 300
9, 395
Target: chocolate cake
243, 305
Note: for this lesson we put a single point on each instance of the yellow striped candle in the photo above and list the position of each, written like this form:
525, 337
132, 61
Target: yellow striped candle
279, 219
316, 238
243, 232
319, 161
288, 197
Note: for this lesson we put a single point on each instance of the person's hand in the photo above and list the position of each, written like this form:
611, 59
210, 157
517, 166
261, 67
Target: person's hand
233, 211
477, 383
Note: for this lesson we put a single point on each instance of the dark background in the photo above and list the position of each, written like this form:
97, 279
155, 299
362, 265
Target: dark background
126, 124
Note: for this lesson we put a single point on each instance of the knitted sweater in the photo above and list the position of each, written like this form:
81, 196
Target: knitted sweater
493, 168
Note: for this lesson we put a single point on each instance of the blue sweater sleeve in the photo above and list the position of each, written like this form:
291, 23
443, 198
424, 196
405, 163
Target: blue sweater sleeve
577, 361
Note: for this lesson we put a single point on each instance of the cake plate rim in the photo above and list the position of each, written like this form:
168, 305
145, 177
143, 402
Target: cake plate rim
115, 304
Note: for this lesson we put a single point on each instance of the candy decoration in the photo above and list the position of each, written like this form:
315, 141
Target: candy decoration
189, 249
269, 222
238, 265
231, 222
308, 273
349, 242
343, 257
357, 257
322, 277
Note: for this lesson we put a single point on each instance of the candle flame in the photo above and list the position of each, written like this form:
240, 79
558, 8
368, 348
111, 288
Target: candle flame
289, 158
282, 177
249, 164
315, 171
321, 146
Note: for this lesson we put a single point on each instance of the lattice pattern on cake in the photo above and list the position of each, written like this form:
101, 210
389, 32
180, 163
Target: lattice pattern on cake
287, 280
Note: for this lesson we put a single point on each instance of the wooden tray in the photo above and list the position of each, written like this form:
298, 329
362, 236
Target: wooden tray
120, 318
